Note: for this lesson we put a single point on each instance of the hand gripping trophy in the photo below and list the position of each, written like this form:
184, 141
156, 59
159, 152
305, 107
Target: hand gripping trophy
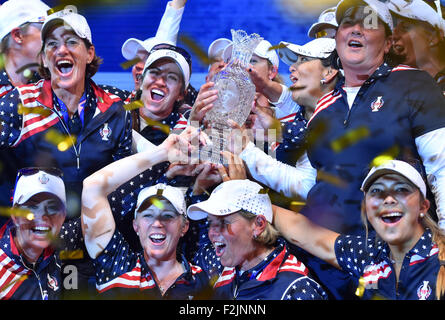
236, 93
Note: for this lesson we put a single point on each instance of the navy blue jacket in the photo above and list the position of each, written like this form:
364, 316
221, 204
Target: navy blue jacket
278, 277
369, 258
392, 108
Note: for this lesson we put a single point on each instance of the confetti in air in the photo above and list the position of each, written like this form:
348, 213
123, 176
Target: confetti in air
350, 138
134, 105
63, 142
128, 64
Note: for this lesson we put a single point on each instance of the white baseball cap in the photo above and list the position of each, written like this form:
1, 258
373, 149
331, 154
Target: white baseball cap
417, 10
232, 196
179, 55
319, 48
216, 48
71, 19
14, 13
37, 180
132, 46
377, 6
325, 20
395, 166
261, 50
174, 195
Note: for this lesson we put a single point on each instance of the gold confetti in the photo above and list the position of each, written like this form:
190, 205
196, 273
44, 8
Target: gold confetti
196, 49
264, 191
128, 64
331, 179
17, 212
157, 203
2, 61
6, 286
134, 105
389, 154
351, 137
63, 142
33, 110
71, 254
361, 287
278, 46
155, 124
296, 205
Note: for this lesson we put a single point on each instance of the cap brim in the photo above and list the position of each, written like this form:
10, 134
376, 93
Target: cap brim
201, 210
131, 47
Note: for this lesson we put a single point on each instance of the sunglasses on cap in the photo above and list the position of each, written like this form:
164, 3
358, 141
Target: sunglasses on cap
29, 171
179, 50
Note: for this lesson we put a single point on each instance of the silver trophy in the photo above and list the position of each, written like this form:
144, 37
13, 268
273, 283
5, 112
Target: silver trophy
236, 93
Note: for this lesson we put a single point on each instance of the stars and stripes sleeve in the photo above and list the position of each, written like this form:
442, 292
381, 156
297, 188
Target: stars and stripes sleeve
116, 259
304, 289
352, 253
10, 120
207, 260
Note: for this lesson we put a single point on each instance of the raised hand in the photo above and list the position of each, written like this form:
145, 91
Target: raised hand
204, 102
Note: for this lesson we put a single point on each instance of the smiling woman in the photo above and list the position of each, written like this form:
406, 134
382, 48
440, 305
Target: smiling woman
407, 245
157, 271
27, 241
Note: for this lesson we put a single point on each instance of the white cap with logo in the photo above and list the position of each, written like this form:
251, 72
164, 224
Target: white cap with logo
325, 20
232, 196
380, 8
262, 50
71, 19
417, 10
395, 166
174, 195
174, 55
39, 182
14, 13
320, 48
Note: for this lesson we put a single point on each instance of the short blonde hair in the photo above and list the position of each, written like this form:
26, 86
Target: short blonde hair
269, 236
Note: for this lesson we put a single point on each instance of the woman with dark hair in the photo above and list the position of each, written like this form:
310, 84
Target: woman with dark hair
403, 259
66, 121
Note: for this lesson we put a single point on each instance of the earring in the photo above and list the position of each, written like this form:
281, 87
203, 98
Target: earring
422, 215
255, 237
323, 81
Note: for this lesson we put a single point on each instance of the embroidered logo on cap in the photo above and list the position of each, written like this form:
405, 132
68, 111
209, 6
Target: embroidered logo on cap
43, 179
377, 104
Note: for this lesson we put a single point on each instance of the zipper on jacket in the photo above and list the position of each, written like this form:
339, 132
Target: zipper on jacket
43, 293
77, 152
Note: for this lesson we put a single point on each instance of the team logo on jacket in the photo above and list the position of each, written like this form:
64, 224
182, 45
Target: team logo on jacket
52, 283
424, 291
105, 132
377, 104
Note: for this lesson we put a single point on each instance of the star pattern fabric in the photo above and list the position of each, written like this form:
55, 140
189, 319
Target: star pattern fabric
369, 258
294, 134
122, 272
280, 276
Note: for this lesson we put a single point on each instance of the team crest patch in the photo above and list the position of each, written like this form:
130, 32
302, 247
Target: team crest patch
105, 132
424, 291
377, 104
52, 283
43, 179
